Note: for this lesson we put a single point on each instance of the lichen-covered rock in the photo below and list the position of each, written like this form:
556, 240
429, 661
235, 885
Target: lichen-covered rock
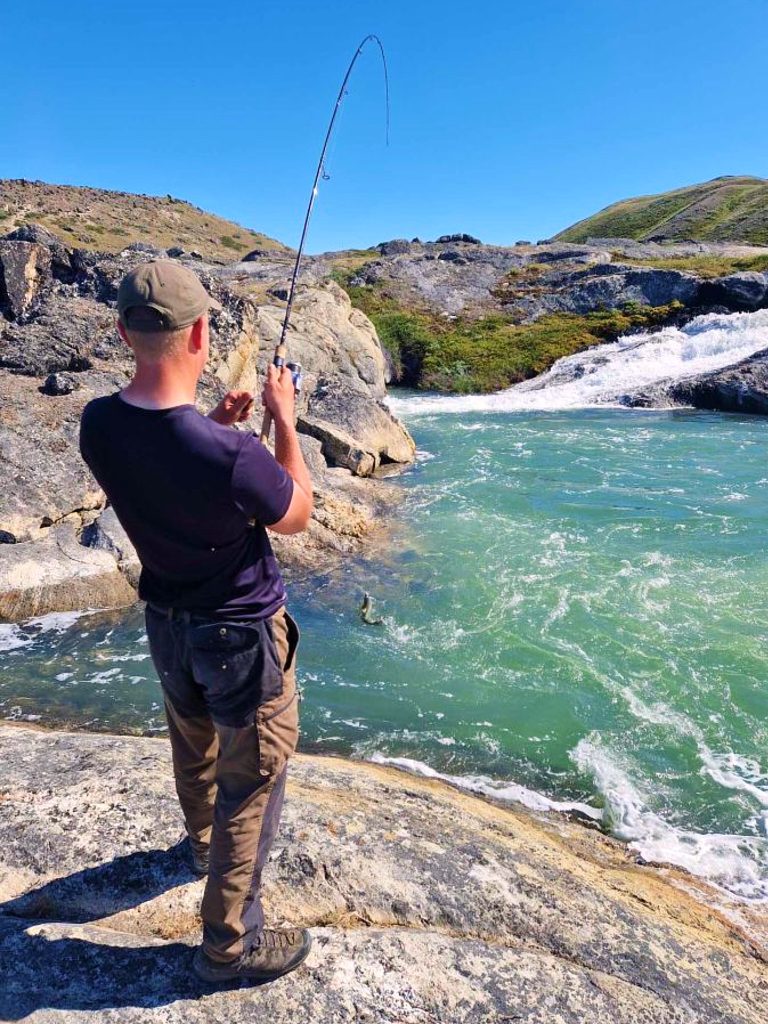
57, 384
44, 478
607, 286
24, 270
528, 281
744, 291
426, 904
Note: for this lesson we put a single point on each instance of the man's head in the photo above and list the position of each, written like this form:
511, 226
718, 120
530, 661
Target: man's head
163, 313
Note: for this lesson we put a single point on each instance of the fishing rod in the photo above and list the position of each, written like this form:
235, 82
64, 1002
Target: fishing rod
281, 350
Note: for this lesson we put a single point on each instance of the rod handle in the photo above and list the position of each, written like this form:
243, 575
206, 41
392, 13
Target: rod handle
278, 360
266, 427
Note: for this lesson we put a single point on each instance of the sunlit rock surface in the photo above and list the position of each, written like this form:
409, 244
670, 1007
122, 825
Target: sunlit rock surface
426, 904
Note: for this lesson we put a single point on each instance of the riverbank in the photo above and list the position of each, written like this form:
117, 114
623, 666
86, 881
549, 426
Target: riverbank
427, 904
61, 548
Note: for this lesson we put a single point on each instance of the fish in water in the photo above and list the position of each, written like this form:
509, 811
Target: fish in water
366, 609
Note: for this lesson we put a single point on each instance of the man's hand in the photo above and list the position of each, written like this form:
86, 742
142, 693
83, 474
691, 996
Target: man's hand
279, 395
235, 407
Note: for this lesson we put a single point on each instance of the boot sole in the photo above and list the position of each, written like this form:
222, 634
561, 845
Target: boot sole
228, 974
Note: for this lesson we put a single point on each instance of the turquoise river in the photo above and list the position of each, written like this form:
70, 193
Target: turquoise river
575, 612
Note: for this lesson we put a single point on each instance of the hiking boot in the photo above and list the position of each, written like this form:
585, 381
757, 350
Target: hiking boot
277, 951
200, 863
197, 858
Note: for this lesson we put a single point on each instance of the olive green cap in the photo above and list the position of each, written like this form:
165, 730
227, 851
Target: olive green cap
162, 296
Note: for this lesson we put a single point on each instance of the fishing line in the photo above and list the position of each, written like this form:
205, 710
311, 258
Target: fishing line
279, 359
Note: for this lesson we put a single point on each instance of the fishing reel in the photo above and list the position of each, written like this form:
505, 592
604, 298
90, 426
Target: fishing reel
296, 376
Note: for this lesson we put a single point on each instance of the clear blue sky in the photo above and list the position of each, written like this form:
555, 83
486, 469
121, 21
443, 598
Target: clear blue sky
509, 119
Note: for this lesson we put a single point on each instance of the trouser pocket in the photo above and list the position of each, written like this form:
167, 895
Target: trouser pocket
238, 669
278, 735
277, 720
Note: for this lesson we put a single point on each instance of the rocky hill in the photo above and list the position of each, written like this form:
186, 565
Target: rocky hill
92, 218
726, 209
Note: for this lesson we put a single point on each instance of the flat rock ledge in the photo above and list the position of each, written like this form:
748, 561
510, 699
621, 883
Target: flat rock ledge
427, 905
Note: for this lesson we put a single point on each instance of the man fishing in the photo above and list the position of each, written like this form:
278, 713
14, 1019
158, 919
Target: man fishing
196, 497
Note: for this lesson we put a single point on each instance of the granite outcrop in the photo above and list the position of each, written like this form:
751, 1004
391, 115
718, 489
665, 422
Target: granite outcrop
427, 905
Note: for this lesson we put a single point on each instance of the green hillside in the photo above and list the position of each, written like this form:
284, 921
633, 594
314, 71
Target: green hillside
93, 218
727, 209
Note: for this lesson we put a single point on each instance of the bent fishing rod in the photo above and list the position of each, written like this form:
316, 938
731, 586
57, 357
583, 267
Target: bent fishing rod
281, 351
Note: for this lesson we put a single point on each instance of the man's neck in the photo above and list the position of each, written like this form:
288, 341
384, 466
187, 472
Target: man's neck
160, 386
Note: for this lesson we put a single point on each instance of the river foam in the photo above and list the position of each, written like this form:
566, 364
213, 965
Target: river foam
499, 789
738, 864
599, 375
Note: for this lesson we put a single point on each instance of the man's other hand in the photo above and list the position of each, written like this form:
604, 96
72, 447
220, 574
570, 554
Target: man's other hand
279, 395
235, 407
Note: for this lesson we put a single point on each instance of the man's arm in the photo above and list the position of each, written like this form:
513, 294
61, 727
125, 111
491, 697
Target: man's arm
279, 398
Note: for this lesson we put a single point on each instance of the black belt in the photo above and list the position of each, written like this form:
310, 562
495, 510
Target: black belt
175, 613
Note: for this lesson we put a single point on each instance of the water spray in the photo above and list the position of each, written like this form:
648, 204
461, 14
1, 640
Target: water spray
281, 350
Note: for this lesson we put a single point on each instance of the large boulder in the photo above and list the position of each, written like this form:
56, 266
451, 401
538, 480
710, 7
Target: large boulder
608, 286
61, 263
355, 433
460, 237
745, 291
327, 335
25, 268
740, 388
426, 904
395, 247
58, 572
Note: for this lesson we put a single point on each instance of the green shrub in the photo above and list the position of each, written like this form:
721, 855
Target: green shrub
231, 243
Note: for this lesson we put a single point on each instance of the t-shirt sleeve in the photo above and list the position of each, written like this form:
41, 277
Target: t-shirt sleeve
85, 434
261, 488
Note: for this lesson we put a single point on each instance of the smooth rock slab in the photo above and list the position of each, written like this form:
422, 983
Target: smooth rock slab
58, 572
398, 976
355, 433
428, 904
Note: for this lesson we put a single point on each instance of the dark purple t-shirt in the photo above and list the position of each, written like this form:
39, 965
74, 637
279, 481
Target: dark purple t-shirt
185, 490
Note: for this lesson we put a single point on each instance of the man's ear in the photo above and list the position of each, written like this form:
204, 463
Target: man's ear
197, 335
124, 334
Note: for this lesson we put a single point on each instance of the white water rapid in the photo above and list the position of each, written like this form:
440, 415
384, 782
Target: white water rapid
601, 374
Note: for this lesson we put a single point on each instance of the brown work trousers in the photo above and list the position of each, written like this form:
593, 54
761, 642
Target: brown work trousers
232, 708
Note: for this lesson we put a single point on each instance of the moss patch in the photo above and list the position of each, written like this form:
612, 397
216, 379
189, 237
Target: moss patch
703, 266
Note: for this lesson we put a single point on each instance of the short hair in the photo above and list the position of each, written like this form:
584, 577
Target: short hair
156, 345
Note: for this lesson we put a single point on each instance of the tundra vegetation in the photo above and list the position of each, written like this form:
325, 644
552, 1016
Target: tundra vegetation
466, 355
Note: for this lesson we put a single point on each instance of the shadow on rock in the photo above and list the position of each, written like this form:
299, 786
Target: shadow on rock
120, 884
44, 967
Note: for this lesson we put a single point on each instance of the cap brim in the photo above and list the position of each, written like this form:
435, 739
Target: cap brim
213, 304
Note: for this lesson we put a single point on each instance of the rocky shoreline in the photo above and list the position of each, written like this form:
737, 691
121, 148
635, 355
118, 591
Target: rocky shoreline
427, 904
61, 548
